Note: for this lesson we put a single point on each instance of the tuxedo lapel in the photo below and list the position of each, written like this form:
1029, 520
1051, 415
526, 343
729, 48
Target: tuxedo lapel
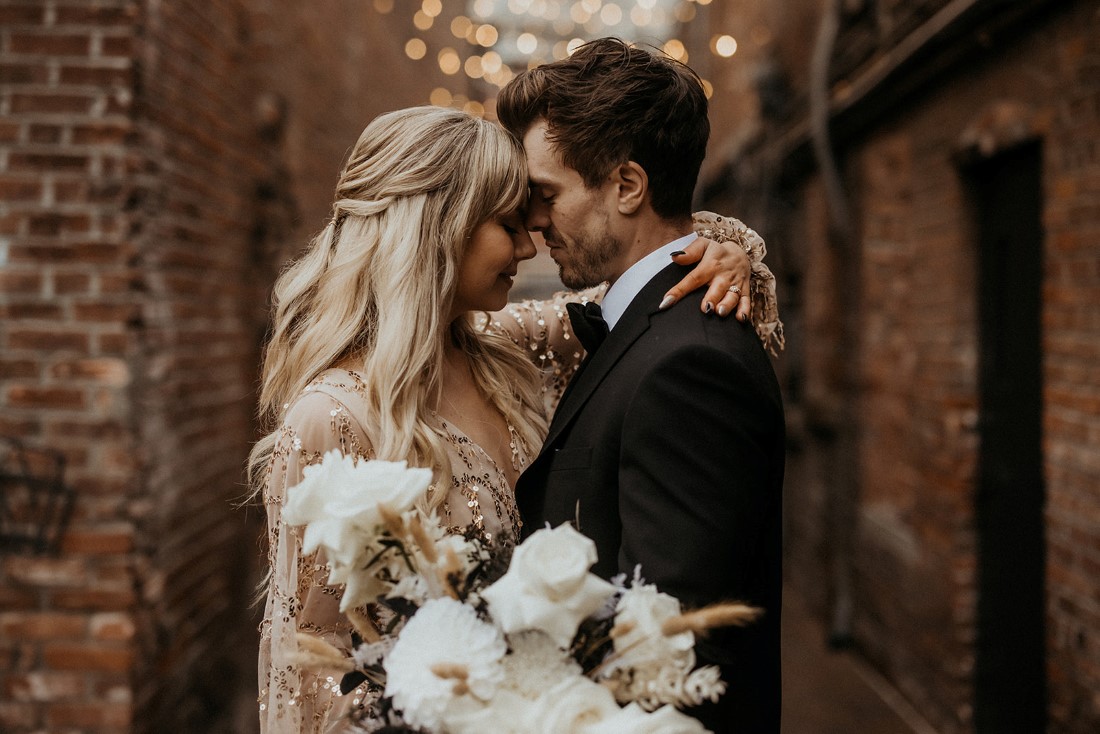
633, 323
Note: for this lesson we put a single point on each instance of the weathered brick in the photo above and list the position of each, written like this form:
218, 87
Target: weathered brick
30, 310
87, 656
47, 162
96, 715
31, 73
45, 686
14, 189
43, 625
71, 283
51, 103
13, 281
96, 76
40, 398
97, 541
46, 572
98, 15
53, 45
112, 626
48, 341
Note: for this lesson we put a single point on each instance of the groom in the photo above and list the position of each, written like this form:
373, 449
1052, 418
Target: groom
667, 448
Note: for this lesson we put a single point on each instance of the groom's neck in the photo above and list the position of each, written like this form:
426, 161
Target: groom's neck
648, 234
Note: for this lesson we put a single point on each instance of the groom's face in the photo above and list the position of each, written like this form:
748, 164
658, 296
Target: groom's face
574, 220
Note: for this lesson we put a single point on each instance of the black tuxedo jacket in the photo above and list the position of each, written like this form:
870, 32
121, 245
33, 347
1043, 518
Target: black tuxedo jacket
667, 450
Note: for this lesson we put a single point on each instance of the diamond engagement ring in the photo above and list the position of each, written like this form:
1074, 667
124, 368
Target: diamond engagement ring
734, 289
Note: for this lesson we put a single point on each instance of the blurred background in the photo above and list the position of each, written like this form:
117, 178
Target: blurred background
926, 175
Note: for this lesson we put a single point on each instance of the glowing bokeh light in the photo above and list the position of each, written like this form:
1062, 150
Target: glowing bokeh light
486, 35
440, 97
474, 108
432, 7
640, 17
685, 12
422, 20
725, 46
611, 14
675, 49
484, 8
526, 43
383, 6
573, 45
415, 49
449, 63
592, 6
460, 26
491, 62
473, 67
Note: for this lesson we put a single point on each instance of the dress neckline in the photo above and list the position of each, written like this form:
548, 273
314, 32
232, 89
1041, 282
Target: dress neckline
519, 457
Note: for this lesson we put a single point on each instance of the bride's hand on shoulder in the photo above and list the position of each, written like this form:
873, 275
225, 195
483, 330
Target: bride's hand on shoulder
726, 267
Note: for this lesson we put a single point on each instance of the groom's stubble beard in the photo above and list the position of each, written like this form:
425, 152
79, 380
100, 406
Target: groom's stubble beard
589, 261
588, 258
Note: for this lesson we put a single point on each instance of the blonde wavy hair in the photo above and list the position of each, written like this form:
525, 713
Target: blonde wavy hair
375, 288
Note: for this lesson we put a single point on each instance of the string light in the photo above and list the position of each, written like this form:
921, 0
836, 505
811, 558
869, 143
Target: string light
526, 43
449, 63
422, 20
724, 46
440, 97
529, 32
486, 35
460, 26
415, 49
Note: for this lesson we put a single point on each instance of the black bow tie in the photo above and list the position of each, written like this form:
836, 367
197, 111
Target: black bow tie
588, 324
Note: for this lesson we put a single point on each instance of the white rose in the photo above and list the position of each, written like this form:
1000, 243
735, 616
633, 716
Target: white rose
575, 705
548, 586
633, 719
643, 610
338, 501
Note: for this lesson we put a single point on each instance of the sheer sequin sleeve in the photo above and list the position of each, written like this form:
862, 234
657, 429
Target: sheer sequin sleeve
765, 307
542, 331
291, 699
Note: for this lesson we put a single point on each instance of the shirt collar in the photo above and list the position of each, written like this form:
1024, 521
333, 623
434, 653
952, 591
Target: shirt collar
619, 295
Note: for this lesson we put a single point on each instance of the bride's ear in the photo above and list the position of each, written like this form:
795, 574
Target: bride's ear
631, 186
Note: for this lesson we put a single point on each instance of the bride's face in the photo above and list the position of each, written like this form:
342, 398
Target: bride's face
489, 263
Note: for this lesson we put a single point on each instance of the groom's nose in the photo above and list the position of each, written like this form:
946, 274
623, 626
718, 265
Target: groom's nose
538, 216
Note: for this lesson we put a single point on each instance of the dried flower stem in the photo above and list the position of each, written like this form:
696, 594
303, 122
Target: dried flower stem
420, 535
392, 521
446, 571
700, 621
363, 625
313, 652
458, 671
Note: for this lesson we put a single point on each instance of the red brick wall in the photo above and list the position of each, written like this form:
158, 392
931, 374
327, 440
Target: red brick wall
68, 322
150, 188
913, 554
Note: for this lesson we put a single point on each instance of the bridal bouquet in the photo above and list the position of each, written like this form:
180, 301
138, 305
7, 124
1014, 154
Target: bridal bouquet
452, 636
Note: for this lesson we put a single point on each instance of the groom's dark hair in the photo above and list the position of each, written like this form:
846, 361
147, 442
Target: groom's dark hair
611, 102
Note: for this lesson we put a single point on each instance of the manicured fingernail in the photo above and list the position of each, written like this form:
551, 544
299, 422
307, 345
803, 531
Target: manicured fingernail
708, 307
668, 301
678, 252
721, 310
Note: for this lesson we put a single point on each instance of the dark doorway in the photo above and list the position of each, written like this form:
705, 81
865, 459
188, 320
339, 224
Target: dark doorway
1009, 675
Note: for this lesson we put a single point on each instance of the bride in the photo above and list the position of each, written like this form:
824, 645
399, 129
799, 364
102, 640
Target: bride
380, 348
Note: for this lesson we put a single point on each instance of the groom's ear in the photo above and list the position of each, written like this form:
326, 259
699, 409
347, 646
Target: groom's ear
632, 185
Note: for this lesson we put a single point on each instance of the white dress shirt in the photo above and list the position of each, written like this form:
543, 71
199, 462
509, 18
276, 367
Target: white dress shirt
619, 295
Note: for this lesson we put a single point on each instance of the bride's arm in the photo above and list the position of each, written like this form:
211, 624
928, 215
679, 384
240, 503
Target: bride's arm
299, 599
